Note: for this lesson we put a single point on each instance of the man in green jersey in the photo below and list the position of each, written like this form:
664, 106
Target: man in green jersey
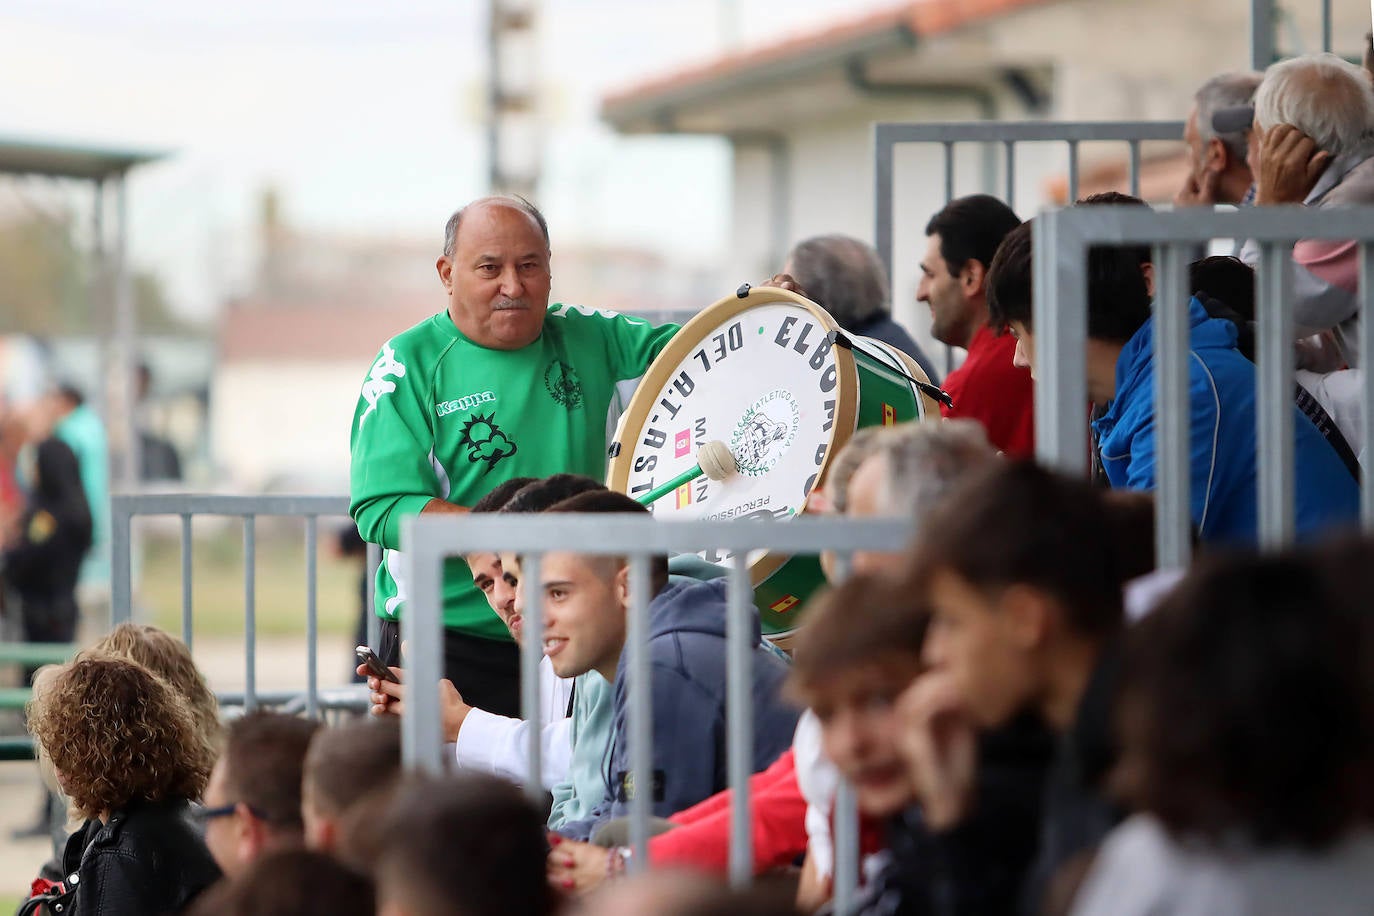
498, 385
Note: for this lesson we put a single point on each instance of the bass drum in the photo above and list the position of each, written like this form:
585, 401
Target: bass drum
772, 376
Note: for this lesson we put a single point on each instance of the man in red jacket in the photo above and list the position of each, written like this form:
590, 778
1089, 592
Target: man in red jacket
961, 240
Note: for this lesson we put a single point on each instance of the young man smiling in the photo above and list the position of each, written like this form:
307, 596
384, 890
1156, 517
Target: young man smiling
586, 599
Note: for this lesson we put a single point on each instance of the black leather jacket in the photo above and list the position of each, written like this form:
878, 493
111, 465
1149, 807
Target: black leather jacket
150, 859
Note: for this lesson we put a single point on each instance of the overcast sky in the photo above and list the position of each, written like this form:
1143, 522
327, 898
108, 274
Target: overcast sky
365, 115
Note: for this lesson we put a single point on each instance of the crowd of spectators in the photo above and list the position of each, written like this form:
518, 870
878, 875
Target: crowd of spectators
1031, 718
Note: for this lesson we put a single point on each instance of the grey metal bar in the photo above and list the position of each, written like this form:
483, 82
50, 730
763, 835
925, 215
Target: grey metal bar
882, 197
250, 611
312, 700
845, 816
187, 621
1366, 444
1107, 225
1173, 518
531, 652
121, 559
641, 711
1028, 131
949, 171
1261, 34
1326, 25
218, 504
1073, 171
1274, 309
126, 334
1010, 184
1059, 314
739, 716
1135, 168
374, 626
421, 623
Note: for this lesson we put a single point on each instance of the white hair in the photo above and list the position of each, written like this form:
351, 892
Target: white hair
924, 461
1325, 97
1226, 90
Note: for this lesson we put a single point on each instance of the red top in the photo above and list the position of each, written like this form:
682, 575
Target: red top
989, 389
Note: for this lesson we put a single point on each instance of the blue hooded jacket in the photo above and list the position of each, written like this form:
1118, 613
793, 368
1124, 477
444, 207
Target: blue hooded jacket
687, 663
1224, 470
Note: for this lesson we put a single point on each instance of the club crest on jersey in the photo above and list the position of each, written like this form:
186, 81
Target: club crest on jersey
563, 384
379, 381
485, 441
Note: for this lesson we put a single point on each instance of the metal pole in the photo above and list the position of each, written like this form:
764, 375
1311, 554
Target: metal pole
1135, 168
882, 198
1010, 147
1366, 445
846, 813
1275, 396
1261, 34
250, 612
126, 333
186, 597
1173, 522
121, 564
312, 632
1073, 172
422, 564
531, 652
1059, 313
374, 560
1326, 24
949, 171
641, 735
739, 715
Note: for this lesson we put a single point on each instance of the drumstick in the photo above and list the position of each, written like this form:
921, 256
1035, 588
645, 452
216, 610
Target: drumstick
714, 459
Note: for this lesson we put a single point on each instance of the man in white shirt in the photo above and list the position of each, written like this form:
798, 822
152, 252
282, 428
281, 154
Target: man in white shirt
480, 740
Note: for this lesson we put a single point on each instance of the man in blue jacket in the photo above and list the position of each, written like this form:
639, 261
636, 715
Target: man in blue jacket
1224, 470
585, 603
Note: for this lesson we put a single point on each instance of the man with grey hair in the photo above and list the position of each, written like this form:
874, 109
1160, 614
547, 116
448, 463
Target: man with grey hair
1311, 144
845, 277
497, 385
1219, 173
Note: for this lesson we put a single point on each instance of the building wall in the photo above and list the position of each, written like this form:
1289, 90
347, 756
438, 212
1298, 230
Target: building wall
284, 426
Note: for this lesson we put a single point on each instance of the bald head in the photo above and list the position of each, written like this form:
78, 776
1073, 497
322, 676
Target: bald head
513, 201
842, 275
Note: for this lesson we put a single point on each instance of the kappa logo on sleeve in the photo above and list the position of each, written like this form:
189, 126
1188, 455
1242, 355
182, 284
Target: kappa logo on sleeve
379, 381
485, 441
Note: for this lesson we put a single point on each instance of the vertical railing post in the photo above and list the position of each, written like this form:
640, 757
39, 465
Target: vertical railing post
845, 816
739, 714
883, 238
312, 699
422, 635
374, 625
250, 613
1274, 309
121, 559
1366, 443
1059, 313
187, 619
1261, 34
1173, 519
640, 696
531, 652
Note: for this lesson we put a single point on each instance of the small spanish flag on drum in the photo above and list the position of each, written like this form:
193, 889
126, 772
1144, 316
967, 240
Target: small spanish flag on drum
889, 415
684, 495
785, 605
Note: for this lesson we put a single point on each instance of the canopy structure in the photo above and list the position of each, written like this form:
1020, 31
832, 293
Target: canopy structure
111, 293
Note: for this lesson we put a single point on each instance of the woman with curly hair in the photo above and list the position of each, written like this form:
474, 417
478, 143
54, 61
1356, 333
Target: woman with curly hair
129, 755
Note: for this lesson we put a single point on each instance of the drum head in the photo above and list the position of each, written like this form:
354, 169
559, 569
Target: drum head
757, 373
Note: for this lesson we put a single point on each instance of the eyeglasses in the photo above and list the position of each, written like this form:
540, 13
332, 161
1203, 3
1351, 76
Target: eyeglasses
209, 814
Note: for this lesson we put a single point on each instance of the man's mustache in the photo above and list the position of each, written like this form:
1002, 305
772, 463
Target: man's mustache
503, 304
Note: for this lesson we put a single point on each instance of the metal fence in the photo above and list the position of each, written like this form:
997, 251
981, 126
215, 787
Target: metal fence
1062, 240
1007, 135
429, 540
124, 508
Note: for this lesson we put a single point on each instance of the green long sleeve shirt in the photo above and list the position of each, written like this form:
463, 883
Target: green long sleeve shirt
440, 417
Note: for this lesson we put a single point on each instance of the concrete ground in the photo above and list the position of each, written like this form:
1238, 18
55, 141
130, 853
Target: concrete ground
281, 663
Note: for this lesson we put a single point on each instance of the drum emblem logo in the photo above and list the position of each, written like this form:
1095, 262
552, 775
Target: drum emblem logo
765, 432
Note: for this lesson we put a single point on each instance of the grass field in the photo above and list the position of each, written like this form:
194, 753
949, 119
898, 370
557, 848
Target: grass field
217, 582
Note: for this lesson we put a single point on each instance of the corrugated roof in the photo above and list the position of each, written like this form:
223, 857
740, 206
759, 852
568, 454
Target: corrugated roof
866, 33
69, 160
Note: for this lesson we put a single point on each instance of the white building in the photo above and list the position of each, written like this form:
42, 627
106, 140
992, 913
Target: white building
798, 112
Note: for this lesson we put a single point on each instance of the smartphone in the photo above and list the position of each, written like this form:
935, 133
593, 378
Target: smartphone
374, 664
